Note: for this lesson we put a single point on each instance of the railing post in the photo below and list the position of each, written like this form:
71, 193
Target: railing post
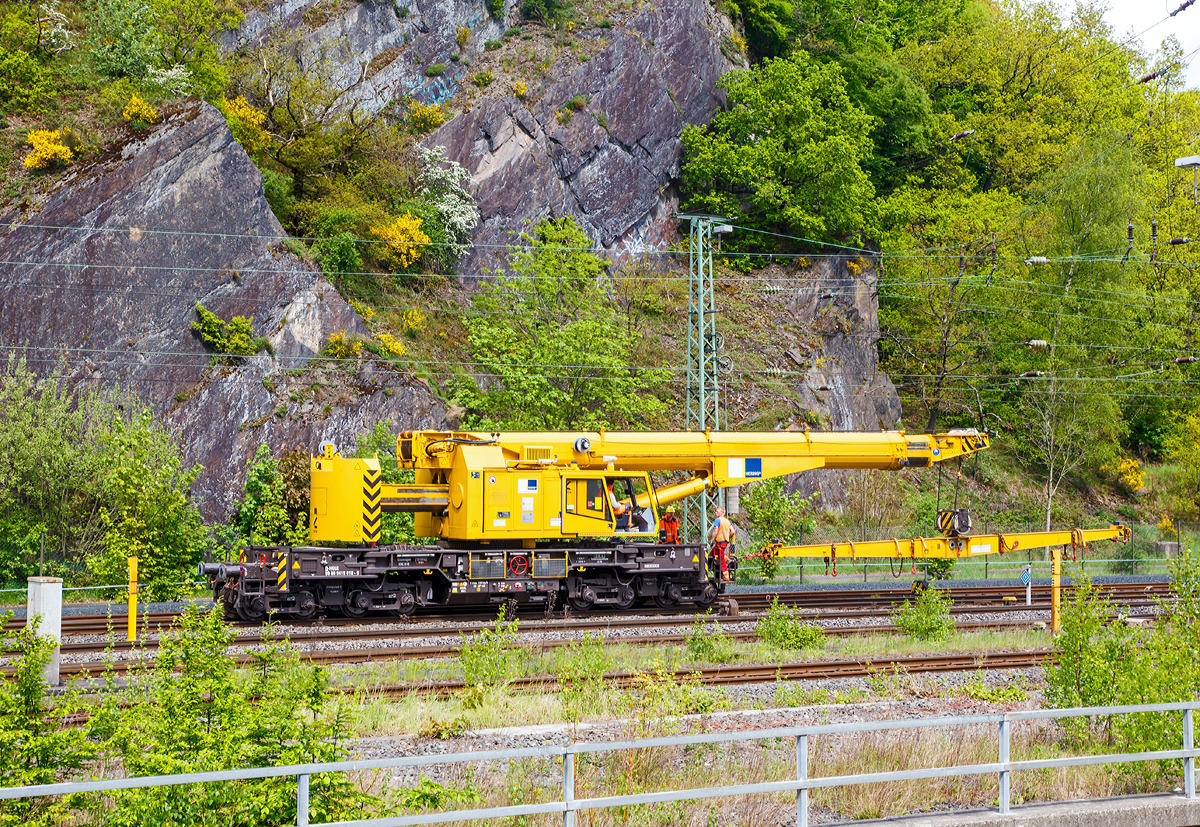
569, 789
802, 775
1189, 763
302, 801
1004, 776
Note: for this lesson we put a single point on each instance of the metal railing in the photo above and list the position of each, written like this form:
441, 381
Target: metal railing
570, 805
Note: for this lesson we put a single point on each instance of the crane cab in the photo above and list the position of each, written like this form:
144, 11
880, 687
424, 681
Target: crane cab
548, 503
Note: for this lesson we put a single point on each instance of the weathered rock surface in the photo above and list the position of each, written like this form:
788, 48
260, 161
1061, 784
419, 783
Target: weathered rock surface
114, 260
392, 43
835, 302
611, 166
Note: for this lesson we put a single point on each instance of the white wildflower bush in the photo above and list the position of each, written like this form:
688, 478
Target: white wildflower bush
443, 187
175, 81
55, 35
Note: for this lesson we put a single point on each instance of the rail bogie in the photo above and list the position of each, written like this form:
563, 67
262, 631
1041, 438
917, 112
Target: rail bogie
302, 581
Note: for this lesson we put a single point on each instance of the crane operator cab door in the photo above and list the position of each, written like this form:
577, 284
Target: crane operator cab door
607, 504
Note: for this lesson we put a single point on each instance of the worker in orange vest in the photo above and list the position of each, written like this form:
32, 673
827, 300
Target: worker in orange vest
721, 537
668, 532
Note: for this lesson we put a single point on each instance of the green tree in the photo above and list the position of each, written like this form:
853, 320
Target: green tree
148, 513
551, 339
776, 517
787, 154
317, 122
94, 471
37, 745
185, 34
275, 502
196, 713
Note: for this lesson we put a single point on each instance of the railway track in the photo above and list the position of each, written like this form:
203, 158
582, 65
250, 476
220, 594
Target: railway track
766, 673
384, 654
864, 602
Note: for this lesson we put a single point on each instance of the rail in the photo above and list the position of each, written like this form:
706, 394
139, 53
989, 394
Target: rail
569, 805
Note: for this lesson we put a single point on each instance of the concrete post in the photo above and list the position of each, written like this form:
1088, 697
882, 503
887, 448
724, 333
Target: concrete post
45, 601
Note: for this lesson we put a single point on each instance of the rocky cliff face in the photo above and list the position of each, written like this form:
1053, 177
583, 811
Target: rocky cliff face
612, 165
113, 261
824, 348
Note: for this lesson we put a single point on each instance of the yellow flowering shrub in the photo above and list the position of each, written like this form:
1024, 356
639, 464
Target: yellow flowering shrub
1167, 527
246, 124
460, 36
48, 149
739, 42
414, 320
139, 113
341, 346
422, 117
1129, 471
390, 344
363, 309
519, 90
403, 238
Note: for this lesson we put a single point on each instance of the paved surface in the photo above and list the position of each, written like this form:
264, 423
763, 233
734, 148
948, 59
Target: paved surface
1163, 810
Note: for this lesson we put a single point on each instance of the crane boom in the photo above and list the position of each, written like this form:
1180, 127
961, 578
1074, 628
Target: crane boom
953, 546
552, 485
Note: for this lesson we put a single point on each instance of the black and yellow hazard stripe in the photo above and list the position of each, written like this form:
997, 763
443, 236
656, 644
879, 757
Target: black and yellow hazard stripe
945, 520
372, 506
281, 569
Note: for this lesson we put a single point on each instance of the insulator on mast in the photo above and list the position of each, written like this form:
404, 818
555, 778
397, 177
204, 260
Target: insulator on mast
1129, 237
1037, 261
993, 270
1153, 238
1182, 7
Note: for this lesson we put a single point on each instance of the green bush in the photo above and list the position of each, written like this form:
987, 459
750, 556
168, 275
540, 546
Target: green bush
40, 746
580, 667
491, 45
488, 658
195, 712
277, 188
24, 83
338, 256
708, 642
785, 628
235, 337
547, 11
927, 617
434, 69
121, 38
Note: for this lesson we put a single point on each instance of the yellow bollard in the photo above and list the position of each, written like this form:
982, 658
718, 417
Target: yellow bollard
132, 598
1055, 591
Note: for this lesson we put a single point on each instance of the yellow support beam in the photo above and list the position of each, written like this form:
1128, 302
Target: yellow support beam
954, 547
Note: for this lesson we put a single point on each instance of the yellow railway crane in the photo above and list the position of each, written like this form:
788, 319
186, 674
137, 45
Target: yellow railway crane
955, 543
534, 516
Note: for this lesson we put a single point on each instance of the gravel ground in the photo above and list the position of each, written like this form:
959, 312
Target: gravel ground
730, 721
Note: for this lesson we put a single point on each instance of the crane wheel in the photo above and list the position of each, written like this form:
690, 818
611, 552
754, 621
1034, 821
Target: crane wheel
353, 606
306, 606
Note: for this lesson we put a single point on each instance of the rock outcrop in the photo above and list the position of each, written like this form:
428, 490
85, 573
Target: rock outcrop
611, 166
112, 262
832, 313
